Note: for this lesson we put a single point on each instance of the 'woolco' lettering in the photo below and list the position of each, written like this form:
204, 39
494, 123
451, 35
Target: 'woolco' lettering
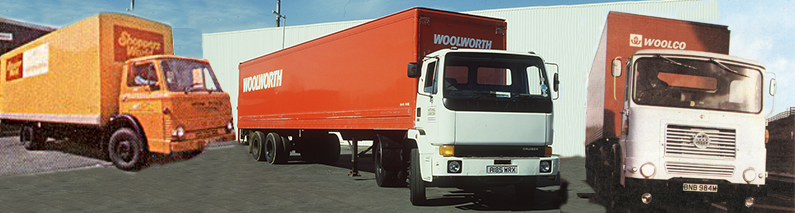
458, 41
635, 41
263, 81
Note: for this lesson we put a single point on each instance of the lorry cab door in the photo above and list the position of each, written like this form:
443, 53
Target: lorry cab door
428, 98
141, 97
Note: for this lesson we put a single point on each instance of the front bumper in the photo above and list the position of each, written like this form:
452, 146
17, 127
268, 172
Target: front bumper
476, 170
673, 188
170, 146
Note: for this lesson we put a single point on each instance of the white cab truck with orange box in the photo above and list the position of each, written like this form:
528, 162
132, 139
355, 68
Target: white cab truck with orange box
672, 116
113, 78
465, 118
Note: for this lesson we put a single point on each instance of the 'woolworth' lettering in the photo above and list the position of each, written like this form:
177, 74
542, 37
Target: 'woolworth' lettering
263, 81
464, 42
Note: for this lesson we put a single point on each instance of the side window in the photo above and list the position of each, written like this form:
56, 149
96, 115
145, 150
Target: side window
206, 76
430, 78
142, 75
534, 83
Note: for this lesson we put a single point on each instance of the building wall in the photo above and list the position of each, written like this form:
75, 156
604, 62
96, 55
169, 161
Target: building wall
567, 35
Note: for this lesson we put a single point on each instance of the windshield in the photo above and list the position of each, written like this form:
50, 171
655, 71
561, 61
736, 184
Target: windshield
189, 75
697, 83
495, 82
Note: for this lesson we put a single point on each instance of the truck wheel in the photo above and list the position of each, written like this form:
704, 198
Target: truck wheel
30, 138
126, 150
329, 149
256, 146
416, 184
383, 177
274, 149
321, 148
526, 191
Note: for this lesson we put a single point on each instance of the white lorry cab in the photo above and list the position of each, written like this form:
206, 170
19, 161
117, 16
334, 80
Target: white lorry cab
692, 127
483, 118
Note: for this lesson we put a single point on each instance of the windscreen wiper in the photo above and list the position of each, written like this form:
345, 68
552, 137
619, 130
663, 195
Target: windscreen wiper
676, 63
724, 67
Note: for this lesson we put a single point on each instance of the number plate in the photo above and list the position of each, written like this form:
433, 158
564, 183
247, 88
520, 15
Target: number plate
695, 187
511, 169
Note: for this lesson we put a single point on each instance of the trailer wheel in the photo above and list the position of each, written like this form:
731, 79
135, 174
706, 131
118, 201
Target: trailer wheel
416, 184
526, 191
30, 138
320, 148
329, 152
274, 149
126, 150
256, 146
383, 177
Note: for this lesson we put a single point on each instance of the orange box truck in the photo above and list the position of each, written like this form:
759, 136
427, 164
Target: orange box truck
113, 78
445, 104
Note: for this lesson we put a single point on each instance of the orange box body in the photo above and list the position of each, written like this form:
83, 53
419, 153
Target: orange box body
623, 35
355, 78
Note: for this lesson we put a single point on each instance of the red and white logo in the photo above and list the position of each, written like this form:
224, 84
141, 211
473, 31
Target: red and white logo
635, 40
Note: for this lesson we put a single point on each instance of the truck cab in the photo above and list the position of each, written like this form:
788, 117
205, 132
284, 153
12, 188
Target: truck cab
693, 125
178, 102
483, 118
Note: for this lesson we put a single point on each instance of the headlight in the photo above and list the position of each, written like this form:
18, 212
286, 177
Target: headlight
178, 132
647, 170
454, 166
749, 175
545, 166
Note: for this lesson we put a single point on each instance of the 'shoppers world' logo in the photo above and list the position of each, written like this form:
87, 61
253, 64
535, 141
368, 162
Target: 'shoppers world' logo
32, 62
130, 43
14, 67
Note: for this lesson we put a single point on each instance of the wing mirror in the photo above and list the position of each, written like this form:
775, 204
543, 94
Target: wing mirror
555, 82
616, 71
412, 71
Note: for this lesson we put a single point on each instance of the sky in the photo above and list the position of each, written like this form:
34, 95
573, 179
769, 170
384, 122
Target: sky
760, 30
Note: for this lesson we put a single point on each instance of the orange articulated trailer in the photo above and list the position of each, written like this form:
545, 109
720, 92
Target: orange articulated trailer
114, 78
355, 78
422, 84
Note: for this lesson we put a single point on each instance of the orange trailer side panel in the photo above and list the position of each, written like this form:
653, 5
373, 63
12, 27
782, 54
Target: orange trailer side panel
623, 35
355, 78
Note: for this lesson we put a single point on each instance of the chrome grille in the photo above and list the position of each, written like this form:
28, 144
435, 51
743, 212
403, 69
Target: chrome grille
679, 142
702, 169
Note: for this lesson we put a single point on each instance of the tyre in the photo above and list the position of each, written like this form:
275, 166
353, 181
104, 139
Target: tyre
526, 191
126, 150
321, 148
274, 149
31, 139
383, 176
257, 146
416, 184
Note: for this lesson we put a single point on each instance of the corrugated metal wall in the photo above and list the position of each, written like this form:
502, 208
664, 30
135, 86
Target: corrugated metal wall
567, 35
